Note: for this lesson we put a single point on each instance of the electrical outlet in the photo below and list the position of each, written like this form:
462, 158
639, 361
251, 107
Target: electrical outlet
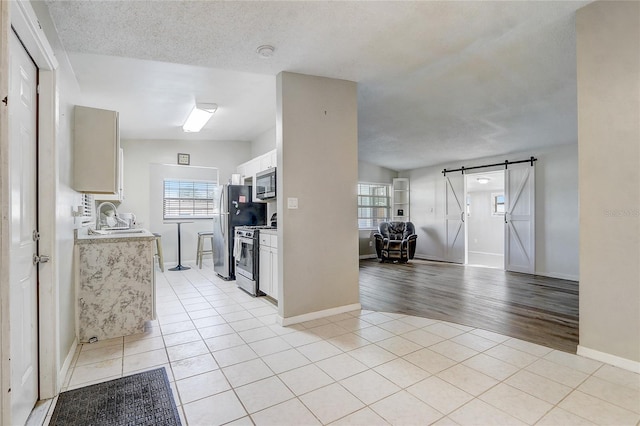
370, 243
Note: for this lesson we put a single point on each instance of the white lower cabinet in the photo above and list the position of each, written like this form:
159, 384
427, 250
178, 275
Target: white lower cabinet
269, 264
265, 270
274, 270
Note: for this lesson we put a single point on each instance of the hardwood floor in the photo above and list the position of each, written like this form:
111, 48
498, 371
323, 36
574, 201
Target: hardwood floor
529, 307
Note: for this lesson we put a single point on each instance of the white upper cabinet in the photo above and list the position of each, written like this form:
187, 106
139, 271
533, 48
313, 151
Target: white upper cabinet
96, 151
249, 169
268, 160
120, 195
252, 167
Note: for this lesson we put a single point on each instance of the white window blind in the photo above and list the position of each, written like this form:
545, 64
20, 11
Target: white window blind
87, 208
188, 199
374, 204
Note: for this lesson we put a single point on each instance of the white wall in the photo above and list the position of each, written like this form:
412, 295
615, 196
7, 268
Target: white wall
264, 142
608, 53
557, 213
371, 173
556, 208
145, 199
317, 143
485, 229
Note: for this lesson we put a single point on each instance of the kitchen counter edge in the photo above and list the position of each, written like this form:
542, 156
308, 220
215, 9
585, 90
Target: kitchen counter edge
82, 236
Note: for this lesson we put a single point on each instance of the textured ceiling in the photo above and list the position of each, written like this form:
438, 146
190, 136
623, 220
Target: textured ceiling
438, 82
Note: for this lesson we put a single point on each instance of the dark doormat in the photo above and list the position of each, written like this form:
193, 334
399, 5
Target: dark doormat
139, 399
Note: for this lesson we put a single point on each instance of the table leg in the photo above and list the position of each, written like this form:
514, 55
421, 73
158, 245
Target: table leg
179, 267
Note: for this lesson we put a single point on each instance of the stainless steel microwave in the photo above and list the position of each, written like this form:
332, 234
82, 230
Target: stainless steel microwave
266, 184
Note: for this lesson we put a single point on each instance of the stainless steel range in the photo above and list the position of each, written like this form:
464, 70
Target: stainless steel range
246, 253
246, 256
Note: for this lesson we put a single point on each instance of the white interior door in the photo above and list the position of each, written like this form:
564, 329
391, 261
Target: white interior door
454, 205
23, 276
519, 248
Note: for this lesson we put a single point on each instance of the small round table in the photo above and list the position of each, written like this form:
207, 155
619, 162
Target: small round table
179, 267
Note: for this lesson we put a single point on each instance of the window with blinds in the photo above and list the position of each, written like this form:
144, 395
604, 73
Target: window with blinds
87, 208
374, 204
187, 199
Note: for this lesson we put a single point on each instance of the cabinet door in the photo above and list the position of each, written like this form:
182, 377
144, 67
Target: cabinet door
274, 158
265, 270
268, 160
96, 151
274, 273
253, 167
242, 171
120, 195
265, 162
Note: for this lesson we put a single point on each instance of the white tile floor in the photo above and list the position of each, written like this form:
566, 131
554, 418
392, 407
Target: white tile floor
230, 363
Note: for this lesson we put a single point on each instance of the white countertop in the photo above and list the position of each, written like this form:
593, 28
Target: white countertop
82, 235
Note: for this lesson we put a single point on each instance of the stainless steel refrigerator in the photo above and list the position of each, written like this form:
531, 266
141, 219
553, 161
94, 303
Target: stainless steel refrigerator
233, 207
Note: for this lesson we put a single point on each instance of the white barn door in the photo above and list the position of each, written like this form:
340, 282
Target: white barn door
519, 248
23, 275
454, 204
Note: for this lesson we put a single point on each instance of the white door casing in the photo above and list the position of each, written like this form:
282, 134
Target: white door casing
24, 22
454, 205
23, 276
519, 247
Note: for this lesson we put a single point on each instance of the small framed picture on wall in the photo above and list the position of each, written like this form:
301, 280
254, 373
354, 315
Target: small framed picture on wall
184, 159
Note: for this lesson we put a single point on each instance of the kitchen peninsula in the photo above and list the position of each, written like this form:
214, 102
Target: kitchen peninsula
115, 283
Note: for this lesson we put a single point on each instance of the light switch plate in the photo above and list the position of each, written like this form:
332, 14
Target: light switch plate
292, 203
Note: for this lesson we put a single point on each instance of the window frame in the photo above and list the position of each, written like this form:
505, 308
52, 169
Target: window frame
373, 217
495, 203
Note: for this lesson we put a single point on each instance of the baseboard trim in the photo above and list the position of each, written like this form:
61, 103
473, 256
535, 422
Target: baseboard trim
318, 314
432, 258
66, 365
614, 360
368, 256
558, 276
486, 253
542, 274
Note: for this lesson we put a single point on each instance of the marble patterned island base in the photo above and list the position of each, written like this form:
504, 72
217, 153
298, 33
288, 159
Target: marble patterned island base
115, 285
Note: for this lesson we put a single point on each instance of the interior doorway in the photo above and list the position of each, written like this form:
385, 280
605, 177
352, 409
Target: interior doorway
484, 212
23, 278
52, 364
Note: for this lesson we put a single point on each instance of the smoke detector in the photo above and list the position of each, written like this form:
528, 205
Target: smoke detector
265, 51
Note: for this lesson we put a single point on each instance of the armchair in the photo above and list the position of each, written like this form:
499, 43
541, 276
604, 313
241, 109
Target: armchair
395, 241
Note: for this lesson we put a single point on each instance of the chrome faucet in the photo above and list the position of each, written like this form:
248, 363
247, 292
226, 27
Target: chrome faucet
99, 212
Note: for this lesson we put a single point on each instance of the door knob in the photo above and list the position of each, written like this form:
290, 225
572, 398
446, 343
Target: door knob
40, 259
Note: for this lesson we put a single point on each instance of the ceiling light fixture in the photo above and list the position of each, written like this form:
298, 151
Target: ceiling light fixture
265, 51
483, 180
198, 117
